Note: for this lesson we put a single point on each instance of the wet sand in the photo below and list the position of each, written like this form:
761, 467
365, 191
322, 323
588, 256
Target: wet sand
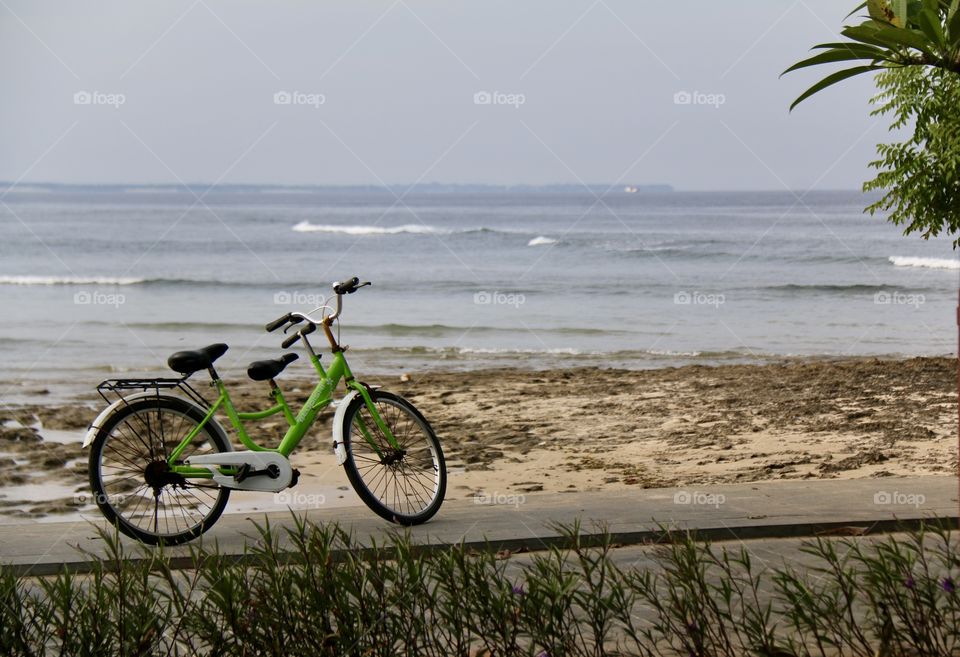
508, 432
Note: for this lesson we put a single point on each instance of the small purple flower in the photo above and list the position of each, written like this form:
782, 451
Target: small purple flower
518, 589
543, 653
948, 585
910, 583
692, 626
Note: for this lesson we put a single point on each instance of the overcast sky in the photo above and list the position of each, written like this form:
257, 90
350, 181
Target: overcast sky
484, 91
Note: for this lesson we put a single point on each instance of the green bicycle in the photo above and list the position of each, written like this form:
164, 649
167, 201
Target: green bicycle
162, 466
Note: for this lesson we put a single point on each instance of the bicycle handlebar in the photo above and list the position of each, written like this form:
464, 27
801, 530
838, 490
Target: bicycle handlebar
348, 286
309, 328
291, 318
277, 323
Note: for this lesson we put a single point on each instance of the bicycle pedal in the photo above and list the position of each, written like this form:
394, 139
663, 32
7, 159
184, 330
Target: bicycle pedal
242, 472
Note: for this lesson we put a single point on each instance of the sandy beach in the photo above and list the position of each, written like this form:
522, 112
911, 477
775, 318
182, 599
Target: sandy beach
508, 432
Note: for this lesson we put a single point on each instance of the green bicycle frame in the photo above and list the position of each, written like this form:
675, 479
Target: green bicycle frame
299, 424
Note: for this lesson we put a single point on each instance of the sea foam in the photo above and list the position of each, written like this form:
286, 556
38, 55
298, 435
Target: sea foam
931, 263
68, 280
307, 227
541, 241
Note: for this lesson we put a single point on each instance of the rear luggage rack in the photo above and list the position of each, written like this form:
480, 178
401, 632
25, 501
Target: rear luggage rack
114, 389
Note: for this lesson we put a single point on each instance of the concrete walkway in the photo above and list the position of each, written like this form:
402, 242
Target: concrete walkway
722, 512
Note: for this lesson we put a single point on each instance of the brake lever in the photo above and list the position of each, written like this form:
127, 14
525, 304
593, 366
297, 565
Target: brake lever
293, 322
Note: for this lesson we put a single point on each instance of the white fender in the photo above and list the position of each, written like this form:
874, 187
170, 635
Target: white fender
342, 405
98, 423
101, 419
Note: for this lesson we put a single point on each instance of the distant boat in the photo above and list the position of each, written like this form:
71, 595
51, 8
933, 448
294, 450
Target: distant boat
630, 189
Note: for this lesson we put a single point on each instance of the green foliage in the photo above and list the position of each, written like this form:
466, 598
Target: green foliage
313, 590
894, 34
915, 46
920, 177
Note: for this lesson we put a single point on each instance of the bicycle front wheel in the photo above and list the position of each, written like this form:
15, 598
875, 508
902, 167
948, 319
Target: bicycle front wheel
404, 485
132, 482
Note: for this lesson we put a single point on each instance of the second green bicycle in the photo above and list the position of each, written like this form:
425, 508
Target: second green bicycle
162, 466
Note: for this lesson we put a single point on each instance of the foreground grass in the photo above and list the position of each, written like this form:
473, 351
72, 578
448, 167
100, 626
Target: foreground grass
324, 594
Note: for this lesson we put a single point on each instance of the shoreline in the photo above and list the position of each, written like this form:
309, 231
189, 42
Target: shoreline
507, 432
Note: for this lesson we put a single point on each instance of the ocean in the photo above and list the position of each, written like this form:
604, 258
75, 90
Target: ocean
106, 282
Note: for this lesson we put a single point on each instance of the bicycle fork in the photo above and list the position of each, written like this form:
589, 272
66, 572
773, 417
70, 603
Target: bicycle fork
364, 391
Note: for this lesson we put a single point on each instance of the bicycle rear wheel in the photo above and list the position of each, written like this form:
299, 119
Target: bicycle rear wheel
132, 483
405, 486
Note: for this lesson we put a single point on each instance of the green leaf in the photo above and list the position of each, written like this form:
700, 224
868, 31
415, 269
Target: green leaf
953, 24
900, 10
865, 34
929, 23
855, 10
881, 10
847, 53
864, 49
832, 79
890, 37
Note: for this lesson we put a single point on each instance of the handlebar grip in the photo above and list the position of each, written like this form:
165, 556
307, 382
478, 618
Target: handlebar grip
309, 328
277, 323
347, 286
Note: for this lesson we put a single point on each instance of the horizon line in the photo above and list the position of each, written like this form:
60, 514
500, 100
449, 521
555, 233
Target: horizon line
10, 187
